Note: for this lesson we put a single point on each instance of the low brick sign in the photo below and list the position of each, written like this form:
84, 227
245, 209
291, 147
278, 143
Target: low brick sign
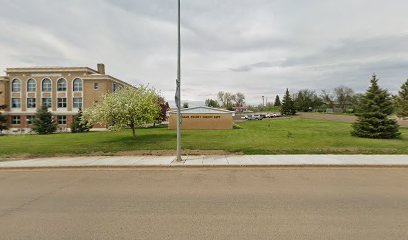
202, 118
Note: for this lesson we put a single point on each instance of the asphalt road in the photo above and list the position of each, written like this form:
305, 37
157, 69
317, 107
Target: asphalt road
241, 203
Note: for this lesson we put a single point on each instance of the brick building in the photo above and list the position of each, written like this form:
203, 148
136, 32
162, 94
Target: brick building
202, 118
63, 89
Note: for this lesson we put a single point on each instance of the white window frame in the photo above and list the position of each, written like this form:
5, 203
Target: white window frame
42, 102
62, 80
12, 103
77, 85
81, 102
31, 85
17, 119
16, 85
31, 106
64, 100
63, 118
49, 88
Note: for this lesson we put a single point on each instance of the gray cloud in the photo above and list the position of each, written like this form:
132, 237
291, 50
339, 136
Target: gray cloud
259, 47
250, 67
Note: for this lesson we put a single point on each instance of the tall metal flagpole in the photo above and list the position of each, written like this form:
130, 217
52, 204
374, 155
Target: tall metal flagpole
178, 91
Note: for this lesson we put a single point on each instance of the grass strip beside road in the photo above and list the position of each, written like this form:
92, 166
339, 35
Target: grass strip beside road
279, 136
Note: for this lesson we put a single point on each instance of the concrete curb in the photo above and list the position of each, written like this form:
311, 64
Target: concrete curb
133, 167
221, 161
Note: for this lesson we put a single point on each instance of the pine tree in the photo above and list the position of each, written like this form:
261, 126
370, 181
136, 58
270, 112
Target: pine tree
288, 106
277, 101
402, 101
79, 124
3, 120
43, 121
374, 119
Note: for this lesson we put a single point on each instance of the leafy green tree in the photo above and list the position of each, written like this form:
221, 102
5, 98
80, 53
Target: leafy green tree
277, 101
3, 120
402, 101
43, 122
127, 107
80, 124
238, 99
327, 98
343, 97
226, 99
306, 100
374, 119
212, 103
288, 105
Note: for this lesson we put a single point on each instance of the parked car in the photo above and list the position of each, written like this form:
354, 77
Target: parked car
257, 117
250, 117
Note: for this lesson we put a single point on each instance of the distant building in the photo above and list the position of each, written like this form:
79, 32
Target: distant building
63, 89
240, 109
202, 118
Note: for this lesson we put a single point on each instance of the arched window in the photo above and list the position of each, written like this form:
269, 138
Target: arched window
31, 85
62, 85
16, 85
77, 85
46, 85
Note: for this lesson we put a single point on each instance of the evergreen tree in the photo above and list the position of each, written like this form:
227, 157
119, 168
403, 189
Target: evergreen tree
79, 124
212, 103
43, 121
402, 101
3, 120
374, 112
288, 106
277, 101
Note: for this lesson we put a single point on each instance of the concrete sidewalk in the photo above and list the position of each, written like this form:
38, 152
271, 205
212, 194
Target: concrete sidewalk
209, 161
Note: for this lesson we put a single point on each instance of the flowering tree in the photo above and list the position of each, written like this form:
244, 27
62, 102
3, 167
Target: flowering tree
127, 107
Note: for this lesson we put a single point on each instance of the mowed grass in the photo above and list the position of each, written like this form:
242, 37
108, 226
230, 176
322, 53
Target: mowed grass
279, 136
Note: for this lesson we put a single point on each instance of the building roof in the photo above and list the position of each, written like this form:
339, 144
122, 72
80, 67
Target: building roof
51, 69
203, 110
105, 77
92, 74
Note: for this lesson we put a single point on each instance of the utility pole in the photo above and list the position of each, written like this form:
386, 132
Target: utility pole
263, 101
178, 91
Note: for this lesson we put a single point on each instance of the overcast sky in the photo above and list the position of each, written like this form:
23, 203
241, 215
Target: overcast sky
258, 47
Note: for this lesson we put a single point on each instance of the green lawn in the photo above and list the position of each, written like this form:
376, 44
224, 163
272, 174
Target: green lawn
283, 136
